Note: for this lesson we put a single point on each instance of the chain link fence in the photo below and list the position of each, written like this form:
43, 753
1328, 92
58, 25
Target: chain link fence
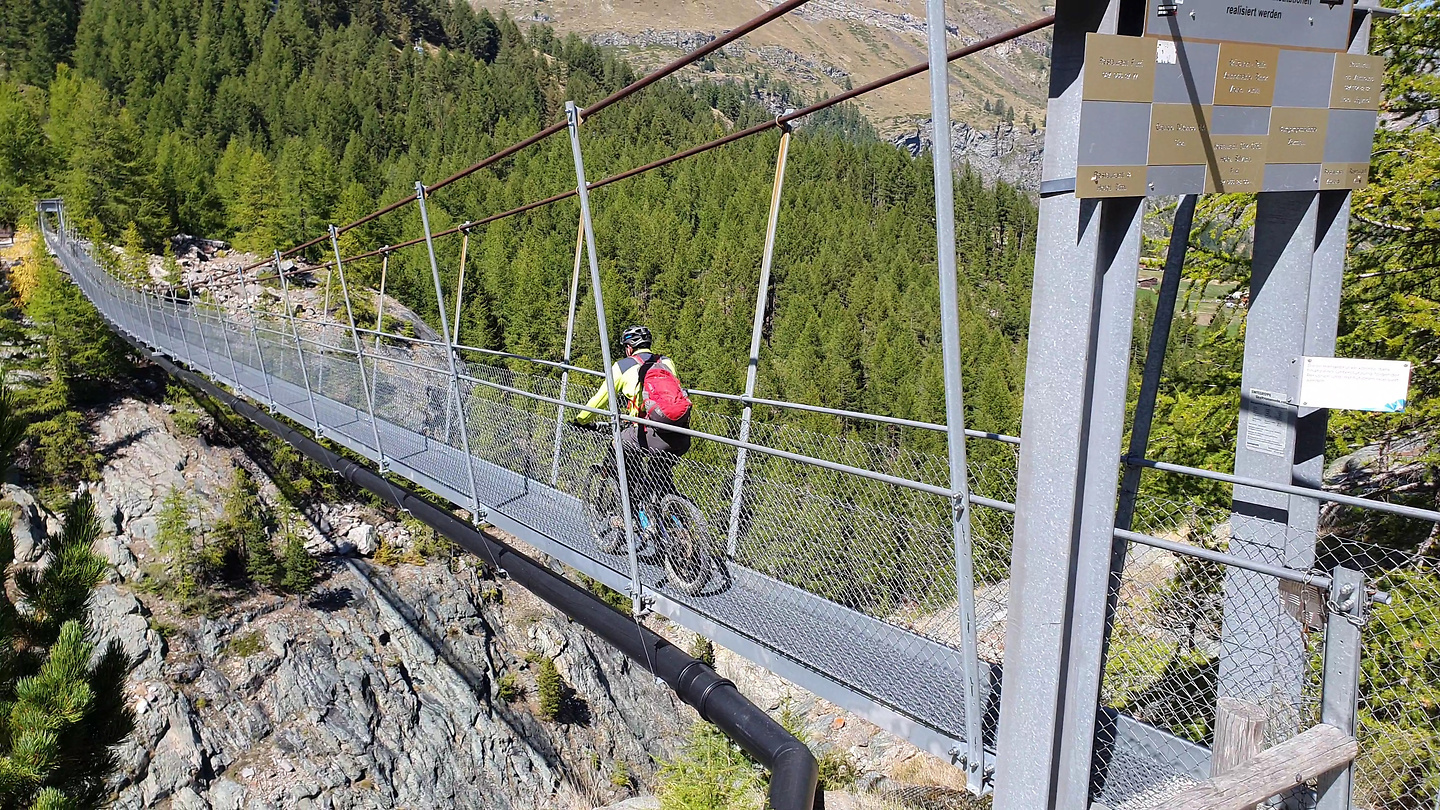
1173, 650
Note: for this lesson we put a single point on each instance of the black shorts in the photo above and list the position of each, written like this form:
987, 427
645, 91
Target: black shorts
658, 440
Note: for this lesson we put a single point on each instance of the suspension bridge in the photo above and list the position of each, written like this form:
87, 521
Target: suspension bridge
1005, 675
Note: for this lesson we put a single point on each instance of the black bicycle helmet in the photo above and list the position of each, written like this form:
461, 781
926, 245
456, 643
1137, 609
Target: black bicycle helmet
636, 338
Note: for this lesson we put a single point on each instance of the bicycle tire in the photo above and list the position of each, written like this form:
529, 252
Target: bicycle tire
602, 503
686, 534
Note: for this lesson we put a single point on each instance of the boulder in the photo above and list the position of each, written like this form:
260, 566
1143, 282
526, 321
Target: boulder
117, 553
177, 759
27, 524
116, 614
187, 799
634, 803
226, 795
363, 538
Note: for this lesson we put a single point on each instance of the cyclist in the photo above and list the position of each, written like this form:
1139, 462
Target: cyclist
648, 387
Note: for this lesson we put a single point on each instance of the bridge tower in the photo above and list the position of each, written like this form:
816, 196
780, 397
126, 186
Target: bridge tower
1118, 68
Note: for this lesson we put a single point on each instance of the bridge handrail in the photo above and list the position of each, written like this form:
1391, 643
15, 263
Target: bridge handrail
1400, 510
1289, 489
869, 417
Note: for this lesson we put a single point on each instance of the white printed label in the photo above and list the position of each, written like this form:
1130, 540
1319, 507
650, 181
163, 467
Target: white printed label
1356, 385
1265, 424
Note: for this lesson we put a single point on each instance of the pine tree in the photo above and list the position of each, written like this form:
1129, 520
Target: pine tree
175, 539
170, 272
242, 530
263, 567
135, 266
703, 650
83, 350
25, 154
711, 771
62, 708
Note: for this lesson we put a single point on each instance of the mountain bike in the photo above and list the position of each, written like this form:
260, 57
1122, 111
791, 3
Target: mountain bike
667, 524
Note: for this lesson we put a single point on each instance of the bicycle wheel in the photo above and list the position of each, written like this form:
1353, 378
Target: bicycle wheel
602, 511
686, 536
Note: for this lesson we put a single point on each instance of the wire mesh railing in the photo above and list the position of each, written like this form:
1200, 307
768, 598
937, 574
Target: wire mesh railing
1173, 651
796, 583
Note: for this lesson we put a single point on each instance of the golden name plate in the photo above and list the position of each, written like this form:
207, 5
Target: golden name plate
1343, 176
1297, 135
1356, 83
1119, 68
1177, 134
1246, 75
1109, 181
1239, 164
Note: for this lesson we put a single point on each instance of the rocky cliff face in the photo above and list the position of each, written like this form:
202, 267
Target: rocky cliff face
379, 689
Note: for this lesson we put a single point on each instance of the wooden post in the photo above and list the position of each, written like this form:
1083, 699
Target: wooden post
1239, 734
1307, 756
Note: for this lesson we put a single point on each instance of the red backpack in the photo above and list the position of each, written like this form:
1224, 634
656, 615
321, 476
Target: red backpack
661, 391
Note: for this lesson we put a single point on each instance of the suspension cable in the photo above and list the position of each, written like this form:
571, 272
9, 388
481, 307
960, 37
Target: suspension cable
779, 122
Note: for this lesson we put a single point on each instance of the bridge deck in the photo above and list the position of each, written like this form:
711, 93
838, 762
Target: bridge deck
901, 680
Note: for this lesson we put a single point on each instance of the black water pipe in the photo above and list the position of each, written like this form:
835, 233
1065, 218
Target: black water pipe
793, 769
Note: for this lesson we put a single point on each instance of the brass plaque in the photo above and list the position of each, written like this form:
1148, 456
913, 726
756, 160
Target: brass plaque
1240, 162
1246, 76
1109, 181
1119, 68
1297, 135
1356, 83
1340, 176
1177, 134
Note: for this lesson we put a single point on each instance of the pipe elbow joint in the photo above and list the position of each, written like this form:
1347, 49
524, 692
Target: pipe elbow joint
794, 774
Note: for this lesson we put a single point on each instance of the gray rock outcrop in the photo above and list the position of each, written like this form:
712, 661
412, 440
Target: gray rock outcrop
27, 523
1006, 152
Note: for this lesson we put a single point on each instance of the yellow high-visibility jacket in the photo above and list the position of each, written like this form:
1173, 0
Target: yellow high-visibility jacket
626, 374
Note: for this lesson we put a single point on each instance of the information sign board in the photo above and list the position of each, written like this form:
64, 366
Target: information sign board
1170, 116
1354, 384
